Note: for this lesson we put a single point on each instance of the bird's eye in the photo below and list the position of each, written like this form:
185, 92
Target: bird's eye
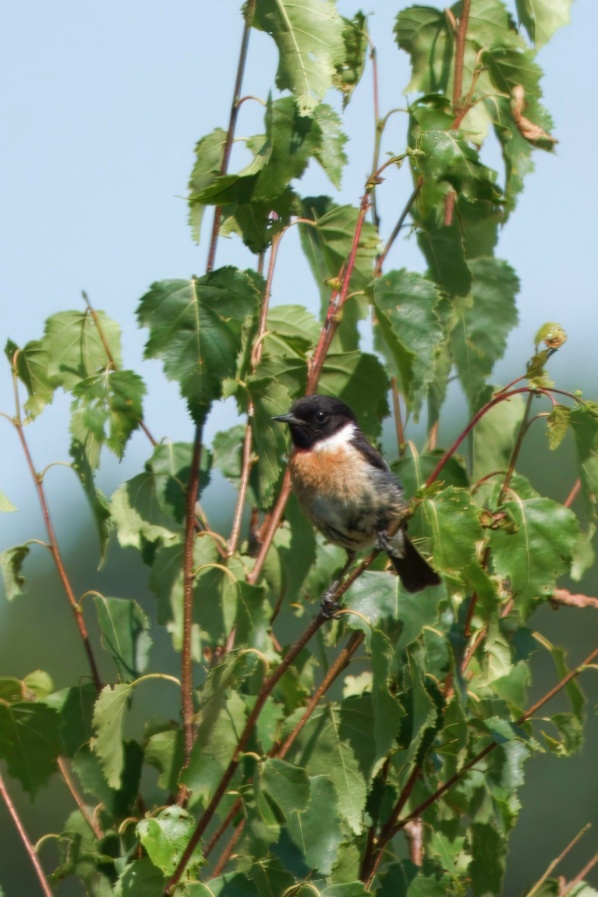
320, 416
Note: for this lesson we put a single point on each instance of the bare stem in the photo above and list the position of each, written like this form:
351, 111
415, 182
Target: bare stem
83, 809
232, 122
25, 839
516, 449
553, 865
460, 52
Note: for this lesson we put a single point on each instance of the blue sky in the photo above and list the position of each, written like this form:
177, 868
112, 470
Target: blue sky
101, 108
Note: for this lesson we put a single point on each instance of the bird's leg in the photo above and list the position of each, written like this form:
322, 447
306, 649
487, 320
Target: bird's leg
328, 606
393, 550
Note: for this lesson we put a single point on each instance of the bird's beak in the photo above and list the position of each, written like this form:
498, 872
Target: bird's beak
288, 418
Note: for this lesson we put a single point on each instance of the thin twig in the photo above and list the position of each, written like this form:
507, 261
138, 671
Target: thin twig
53, 543
232, 122
573, 494
25, 839
396, 408
84, 810
553, 865
460, 39
580, 876
516, 449
226, 853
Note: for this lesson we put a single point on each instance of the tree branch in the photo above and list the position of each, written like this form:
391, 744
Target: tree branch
25, 839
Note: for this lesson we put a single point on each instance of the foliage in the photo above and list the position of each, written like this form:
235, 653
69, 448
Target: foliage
260, 787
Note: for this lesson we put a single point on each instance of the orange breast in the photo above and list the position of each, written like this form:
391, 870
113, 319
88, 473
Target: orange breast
342, 473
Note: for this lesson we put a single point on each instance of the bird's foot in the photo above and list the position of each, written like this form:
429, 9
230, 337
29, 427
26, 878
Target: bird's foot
329, 607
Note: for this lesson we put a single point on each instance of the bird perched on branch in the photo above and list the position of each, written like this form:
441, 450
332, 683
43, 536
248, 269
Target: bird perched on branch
346, 489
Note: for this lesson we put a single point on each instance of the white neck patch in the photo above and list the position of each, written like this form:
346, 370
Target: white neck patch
338, 441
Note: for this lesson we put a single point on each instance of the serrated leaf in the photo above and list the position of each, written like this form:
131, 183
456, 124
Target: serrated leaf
349, 72
124, 630
117, 804
557, 423
445, 157
488, 864
31, 366
537, 550
331, 754
164, 751
406, 316
11, 564
84, 450
269, 398
209, 153
107, 408
74, 706
290, 329
424, 33
309, 37
108, 719
327, 245
541, 18
484, 321
196, 328
359, 379
139, 879
165, 837
453, 522
444, 251
76, 348
584, 423
29, 742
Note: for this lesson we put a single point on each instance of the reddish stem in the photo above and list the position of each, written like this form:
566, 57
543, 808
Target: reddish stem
25, 839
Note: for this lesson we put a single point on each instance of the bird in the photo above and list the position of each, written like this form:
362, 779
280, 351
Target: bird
347, 490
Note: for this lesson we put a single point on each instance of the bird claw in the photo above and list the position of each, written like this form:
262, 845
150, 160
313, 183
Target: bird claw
329, 608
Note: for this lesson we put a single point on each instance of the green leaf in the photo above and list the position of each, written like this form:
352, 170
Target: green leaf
359, 379
443, 248
124, 628
196, 328
309, 37
165, 838
269, 398
584, 423
6, 506
484, 321
209, 152
139, 879
324, 748
74, 706
494, 437
31, 366
76, 347
110, 399
327, 245
310, 808
536, 549
445, 157
330, 152
487, 868
29, 742
541, 18
453, 523
117, 804
349, 72
405, 306
108, 719
85, 452
424, 33
11, 564
290, 330
557, 424
164, 751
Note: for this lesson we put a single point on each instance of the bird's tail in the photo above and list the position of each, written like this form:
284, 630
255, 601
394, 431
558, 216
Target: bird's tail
415, 572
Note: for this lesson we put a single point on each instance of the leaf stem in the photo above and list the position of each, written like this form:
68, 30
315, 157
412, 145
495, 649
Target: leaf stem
397, 228
516, 448
83, 809
25, 839
232, 122
460, 38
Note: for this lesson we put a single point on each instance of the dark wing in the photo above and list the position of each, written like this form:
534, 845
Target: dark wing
365, 448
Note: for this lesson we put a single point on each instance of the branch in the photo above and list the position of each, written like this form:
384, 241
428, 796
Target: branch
387, 834
188, 585
266, 690
232, 122
25, 839
460, 52
53, 543
83, 809
564, 597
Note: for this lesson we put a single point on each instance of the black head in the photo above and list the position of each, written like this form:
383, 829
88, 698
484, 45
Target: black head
314, 418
